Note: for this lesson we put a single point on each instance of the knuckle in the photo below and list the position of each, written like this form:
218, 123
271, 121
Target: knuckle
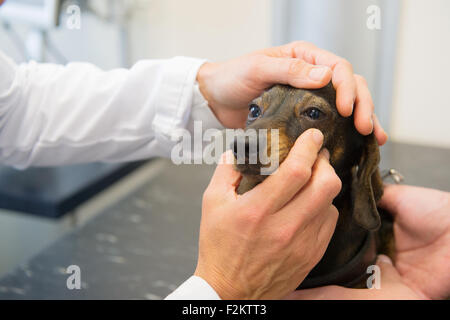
252, 215
334, 213
300, 171
359, 78
266, 206
335, 185
283, 237
344, 62
299, 43
296, 67
330, 181
254, 65
257, 211
208, 195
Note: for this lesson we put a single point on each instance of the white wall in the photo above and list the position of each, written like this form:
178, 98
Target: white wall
421, 102
212, 29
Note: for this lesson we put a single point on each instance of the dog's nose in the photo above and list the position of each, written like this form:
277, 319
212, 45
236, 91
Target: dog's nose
247, 147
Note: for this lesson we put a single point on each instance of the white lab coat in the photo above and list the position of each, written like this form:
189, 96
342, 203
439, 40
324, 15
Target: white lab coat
59, 115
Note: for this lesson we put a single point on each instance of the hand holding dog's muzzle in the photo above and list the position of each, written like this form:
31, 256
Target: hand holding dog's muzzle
262, 244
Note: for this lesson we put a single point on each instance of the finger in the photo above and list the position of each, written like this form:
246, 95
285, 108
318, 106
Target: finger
328, 225
296, 49
225, 178
306, 51
363, 107
342, 78
320, 230
389, 275
324, 180
295, 171
317, 195
390, 199
295, 72
345, 85
384, 262
379, 132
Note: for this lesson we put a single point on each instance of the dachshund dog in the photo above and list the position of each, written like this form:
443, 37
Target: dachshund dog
358, 237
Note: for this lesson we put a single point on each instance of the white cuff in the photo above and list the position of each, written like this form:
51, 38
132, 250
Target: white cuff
194, 288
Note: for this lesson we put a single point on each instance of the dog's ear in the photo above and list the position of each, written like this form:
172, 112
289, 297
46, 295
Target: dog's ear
367, 186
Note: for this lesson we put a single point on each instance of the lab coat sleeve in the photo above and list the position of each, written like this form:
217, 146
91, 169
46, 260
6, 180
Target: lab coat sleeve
194, 288
58, 115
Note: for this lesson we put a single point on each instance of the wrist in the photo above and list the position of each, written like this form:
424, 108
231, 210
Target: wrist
224, 290
204, 75
210, 79
204, 78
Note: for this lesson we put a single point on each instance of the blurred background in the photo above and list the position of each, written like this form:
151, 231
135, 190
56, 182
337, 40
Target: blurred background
401, 47
404, 58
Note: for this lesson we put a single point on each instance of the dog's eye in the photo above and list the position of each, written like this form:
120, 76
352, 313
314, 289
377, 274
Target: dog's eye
254, 112
313, 113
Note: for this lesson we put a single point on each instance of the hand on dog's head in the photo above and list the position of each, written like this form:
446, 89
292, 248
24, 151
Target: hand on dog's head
292, 111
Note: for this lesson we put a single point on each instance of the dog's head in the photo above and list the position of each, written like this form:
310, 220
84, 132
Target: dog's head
354, 157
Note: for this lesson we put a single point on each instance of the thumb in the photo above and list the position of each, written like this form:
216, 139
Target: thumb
390, 199
225, 178
295, 72
388, 272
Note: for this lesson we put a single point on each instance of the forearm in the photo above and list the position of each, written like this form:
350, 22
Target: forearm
54, 115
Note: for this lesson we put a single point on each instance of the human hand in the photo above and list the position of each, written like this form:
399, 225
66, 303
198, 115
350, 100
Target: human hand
422, 237
422, 257
229, 86
262, 244
392, 287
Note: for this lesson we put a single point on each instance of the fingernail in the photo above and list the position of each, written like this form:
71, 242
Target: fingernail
326, 153
384, 259
317, 136
317, 73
